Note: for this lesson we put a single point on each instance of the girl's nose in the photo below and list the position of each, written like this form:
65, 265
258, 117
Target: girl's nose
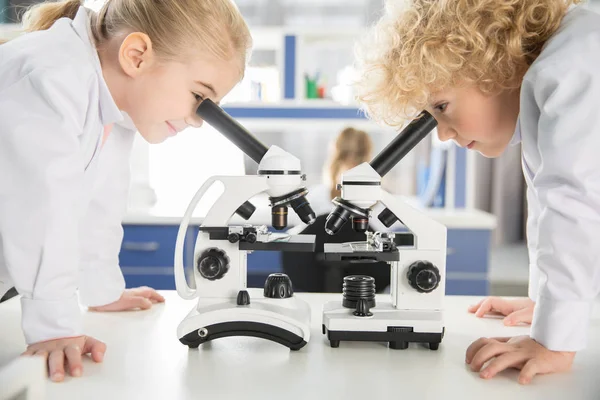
194, 120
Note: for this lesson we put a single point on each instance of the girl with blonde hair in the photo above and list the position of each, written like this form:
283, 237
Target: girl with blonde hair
73, 91
351, 148
496, 73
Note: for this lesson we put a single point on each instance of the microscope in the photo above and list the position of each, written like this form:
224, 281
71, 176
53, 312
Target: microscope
226, 306
417, 257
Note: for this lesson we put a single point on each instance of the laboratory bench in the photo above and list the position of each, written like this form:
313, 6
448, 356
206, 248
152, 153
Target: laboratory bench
145, 360
148, 249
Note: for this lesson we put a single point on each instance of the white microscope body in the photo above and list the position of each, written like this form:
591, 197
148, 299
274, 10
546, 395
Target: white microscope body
413, 311
226, 307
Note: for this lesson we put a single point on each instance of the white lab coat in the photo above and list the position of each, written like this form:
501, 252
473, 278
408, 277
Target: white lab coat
559, 128
62, 194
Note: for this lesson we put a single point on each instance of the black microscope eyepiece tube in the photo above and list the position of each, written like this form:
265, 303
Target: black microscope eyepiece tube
231, 129
406, 140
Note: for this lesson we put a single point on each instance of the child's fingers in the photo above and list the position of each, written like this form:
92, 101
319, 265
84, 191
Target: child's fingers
484, 307
475, 307
512, 359
73, 355
41, 353
530, 369
157, 296
94, 347
56, 365
149, 293
142, 291
138, 302
522, 315
501, 339
474, 348
487, 352
494, 304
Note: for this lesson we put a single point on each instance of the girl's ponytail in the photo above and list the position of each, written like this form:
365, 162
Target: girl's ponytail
42, 16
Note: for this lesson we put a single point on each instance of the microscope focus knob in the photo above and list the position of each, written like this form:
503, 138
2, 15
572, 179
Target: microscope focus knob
423, 276
213, 264
233, 238
251, 237
278, 286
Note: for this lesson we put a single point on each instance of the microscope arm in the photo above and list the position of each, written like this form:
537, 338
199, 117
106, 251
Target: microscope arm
430, 234
218, 215
225, 206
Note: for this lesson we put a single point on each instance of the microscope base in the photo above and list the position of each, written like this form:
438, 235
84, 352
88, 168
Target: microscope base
242, 328
284, 321
387, 324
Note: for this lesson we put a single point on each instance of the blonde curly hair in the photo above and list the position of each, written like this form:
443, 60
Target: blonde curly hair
423, 46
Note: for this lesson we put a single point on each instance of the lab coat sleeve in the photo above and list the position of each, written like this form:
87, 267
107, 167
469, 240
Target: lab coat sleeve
41, 176
567, 185
101, 280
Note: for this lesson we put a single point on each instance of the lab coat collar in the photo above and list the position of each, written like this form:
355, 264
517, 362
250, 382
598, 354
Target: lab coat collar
127, 122
109, 112
516, 139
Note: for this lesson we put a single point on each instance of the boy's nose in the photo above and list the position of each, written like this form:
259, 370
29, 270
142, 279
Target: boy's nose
445, 133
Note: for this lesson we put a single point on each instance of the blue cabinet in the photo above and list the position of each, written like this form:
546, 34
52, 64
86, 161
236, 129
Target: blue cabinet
148, 251
260, 265
468, 261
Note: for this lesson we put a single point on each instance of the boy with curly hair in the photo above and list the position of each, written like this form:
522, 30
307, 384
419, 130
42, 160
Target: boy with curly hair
496, 73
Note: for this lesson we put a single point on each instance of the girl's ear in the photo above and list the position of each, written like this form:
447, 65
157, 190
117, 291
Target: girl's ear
136, 54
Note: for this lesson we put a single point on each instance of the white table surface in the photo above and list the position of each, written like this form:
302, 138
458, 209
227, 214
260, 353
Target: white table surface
145, 360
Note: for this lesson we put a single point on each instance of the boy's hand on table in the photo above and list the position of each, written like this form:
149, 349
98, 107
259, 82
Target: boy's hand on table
515, 311
520, 352
132, 299
67, 352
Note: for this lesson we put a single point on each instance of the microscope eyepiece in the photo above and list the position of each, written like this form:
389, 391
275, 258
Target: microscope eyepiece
216, 117
410, 136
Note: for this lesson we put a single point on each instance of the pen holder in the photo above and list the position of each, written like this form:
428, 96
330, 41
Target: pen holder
312, 91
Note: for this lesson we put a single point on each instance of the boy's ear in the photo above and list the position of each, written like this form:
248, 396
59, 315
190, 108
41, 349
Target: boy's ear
136, 54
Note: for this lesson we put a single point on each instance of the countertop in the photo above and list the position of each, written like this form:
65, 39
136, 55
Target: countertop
146, 361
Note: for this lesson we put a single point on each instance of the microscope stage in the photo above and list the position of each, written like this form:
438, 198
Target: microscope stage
299, 243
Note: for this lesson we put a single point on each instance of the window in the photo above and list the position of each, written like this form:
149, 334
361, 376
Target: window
12, 10
180, 166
